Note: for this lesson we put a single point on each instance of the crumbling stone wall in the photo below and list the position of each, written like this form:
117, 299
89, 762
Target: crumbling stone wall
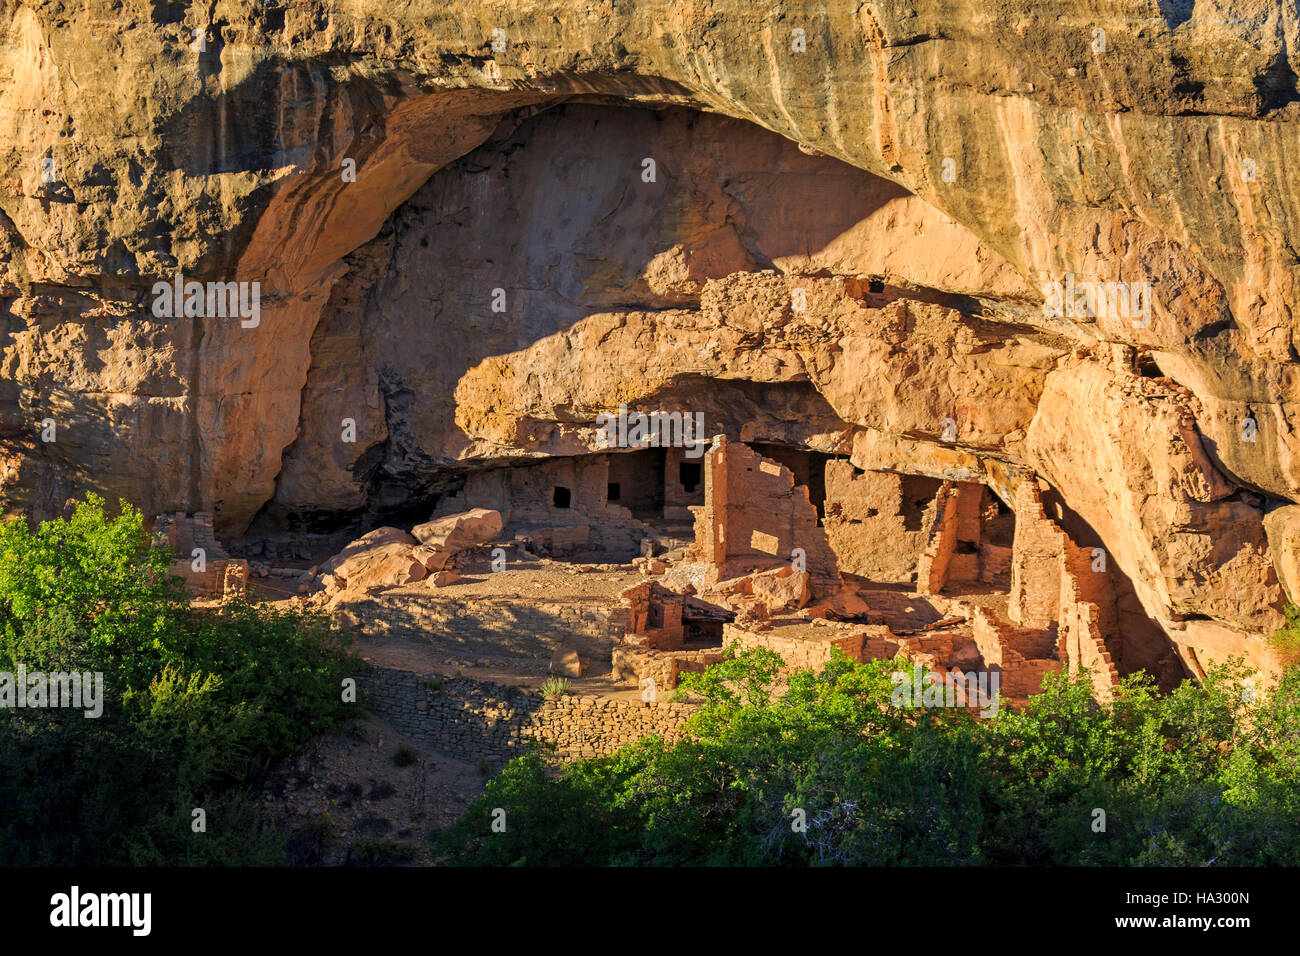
1089, 618
1035, 562
1081, 647
1085, 579
754, 516
527, 497
938, 650
474, 720
221, 576
952, 548
1021, 655
234, 581
1063, 589
796, 653
988, 634
1023, 677
932, 568
655, 615
858, 642
865, 525
663, 667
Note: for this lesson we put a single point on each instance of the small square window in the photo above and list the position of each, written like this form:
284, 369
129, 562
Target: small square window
613, 492
561, 497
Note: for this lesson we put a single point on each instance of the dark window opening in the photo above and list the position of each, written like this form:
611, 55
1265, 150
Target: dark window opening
1147, 366
918, 493
561, 497
702, 633
876, 285
967, 547
612, 492
689, 474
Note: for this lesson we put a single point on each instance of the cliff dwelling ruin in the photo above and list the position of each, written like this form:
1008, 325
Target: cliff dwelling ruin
903, 454
485, 373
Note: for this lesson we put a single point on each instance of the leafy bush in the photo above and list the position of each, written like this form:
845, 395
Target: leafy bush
196, 703
829, 773
87, 592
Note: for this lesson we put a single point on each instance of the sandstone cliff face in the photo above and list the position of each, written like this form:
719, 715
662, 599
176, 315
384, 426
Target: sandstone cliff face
854, 213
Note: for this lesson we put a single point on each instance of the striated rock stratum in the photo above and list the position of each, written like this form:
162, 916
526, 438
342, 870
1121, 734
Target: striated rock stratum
999, 242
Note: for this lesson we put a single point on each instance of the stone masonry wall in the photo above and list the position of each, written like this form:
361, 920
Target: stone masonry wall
798, 652
663, 667
1036, 563
182, 534
474, 720
526, 497
1088, 617
864, 522
1081, 647
755, 515
1053, 585
932, 568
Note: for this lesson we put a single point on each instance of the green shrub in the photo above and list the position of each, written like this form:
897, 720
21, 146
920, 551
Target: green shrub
88, 593
828, 772
555, 687
196, 703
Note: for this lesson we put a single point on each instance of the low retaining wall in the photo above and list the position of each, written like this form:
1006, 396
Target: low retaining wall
471, 720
